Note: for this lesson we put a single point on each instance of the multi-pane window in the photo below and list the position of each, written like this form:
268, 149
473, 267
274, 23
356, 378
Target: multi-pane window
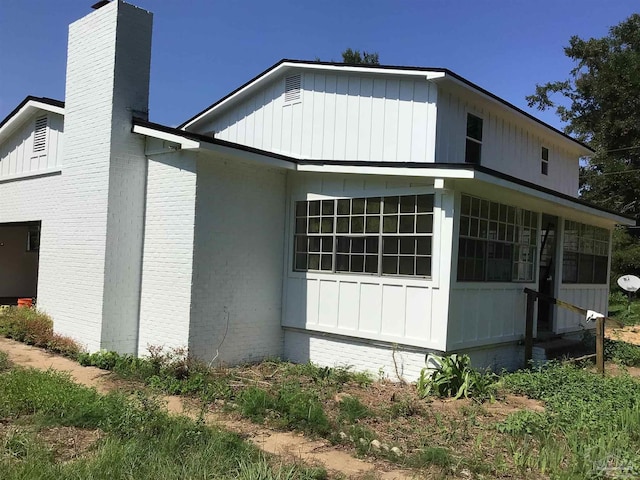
586, 253
497, 242
473, 147
374, 235
544, 162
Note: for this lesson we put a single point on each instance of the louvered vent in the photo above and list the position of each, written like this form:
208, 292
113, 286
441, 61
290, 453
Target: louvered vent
40, 135
292, 88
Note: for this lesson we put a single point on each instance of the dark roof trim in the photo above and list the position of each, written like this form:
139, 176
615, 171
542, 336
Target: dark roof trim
360, 163
209, 139
49, 101
393, 67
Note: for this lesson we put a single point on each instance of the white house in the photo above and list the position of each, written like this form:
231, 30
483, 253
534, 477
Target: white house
358, 215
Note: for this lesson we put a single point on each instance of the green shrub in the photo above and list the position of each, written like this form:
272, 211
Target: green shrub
26, 325
524, 422
456, 378
34, 327
352, 409
622, 353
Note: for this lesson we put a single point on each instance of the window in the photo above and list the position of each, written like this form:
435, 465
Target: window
586, 253
40, 135
497, 242
544, 165
33, 238
374, 235
473, 147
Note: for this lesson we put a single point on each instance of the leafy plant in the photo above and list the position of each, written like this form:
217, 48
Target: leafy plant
455, 377
352, 409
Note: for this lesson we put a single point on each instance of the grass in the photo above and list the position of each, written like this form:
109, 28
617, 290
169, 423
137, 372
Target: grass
591, 423
589, 428
139, 439
622, 310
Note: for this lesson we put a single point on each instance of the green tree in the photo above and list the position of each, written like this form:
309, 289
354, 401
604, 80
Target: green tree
357, 58
600, 104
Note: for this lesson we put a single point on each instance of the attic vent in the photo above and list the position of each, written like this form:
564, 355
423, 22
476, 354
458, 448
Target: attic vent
40, 135
292, 88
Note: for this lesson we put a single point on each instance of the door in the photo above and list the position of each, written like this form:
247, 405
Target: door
546, 278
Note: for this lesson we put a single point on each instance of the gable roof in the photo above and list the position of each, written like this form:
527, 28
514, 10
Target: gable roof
25, 109
431, 73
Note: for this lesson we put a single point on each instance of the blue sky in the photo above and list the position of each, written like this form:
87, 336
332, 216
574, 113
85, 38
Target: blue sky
204, 49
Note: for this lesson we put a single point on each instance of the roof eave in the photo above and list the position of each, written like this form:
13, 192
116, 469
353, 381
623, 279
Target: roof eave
275, 70
25, 109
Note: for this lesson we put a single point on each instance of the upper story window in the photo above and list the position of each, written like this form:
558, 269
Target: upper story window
497, 242
544, 162
585, 253
40, 135
374, 235
473, 148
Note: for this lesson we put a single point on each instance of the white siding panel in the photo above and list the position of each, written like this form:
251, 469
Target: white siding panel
312, 301
483, 314
329, 298
393, 310
403, 310
339, 117
348, 306
16, 152
509, 144
370, 307
589, 297
377, 120
418, 317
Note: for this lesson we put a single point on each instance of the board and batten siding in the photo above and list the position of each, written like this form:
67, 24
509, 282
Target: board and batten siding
509, 145
590, 297
17, 156
486, 313
403, 310
338, 117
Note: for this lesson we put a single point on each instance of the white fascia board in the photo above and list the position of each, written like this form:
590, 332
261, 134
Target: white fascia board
25, 112
547, 197
427, 74
185, 143
397, 171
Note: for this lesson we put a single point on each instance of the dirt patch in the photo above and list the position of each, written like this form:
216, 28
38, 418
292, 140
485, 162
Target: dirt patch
69, 443
629, 334
28, 356
65, 443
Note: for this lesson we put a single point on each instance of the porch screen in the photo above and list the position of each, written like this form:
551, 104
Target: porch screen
497, 242
585, 253
374, 235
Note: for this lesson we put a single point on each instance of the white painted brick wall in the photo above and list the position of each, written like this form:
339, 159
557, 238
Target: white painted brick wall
127, 176
165, 302
375, 358
239, 243
378, 358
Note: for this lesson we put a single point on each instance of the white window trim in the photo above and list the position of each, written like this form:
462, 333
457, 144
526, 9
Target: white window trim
433, 281
479, 142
